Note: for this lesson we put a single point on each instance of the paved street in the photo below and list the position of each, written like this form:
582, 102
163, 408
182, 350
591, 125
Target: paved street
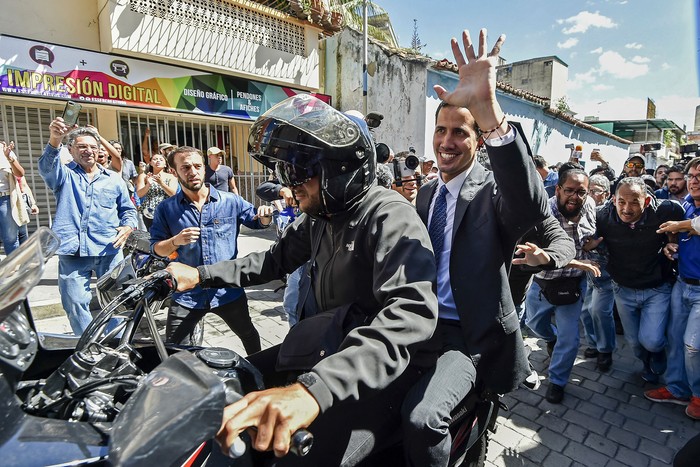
603, 421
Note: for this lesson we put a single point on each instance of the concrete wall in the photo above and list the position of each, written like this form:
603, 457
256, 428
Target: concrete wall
396, 90
546, 134
544, 77
64, 22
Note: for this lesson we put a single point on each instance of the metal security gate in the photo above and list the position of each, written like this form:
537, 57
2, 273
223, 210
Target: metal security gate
231, 137
28, 127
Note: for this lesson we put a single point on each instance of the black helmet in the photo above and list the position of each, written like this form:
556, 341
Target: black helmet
302, 137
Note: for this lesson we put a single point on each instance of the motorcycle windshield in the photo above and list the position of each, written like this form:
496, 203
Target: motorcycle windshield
21, 270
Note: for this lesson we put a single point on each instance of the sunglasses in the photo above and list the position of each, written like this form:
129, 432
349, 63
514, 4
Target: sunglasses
633, 165
292, 175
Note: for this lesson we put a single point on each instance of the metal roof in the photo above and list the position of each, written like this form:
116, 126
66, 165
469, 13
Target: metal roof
626, 128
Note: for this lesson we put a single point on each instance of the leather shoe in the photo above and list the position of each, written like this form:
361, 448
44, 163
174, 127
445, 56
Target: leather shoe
590, 352
555, 393
604, 361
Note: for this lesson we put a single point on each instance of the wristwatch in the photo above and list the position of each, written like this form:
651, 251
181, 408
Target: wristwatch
204, 276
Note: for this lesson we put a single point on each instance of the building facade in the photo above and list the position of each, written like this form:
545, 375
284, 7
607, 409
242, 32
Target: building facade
195, 72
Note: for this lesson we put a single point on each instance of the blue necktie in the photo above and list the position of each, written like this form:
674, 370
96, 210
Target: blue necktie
438, 222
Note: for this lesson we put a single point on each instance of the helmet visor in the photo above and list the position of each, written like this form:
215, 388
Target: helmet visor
292, 175
308, 114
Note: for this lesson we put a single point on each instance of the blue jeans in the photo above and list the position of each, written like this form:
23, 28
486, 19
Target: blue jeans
597, 314
539, 318
74, 273
683, 370
9, 229
644, 315
291, 295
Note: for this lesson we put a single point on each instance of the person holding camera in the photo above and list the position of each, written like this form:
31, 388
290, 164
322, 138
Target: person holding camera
154, 186
94, 216
407, 176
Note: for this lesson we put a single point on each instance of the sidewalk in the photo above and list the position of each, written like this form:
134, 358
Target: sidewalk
604, 419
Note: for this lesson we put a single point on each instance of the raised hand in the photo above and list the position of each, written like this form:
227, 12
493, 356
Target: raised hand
477, 80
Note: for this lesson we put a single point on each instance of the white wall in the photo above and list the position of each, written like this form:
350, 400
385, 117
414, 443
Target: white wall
64, 22
396, 90
134, 33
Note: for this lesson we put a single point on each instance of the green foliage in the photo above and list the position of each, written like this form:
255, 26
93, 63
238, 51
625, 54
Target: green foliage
562, 105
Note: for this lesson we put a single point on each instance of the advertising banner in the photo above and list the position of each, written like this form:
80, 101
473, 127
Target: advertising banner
39, 69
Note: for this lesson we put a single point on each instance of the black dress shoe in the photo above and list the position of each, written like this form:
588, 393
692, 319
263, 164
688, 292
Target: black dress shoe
555, 393
604, 361
590, 352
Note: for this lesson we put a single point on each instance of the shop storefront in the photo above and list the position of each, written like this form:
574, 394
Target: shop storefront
122, 97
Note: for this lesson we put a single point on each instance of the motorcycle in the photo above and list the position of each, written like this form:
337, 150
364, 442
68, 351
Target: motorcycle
107, 398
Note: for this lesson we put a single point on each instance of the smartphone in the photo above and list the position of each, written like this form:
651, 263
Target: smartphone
71, 113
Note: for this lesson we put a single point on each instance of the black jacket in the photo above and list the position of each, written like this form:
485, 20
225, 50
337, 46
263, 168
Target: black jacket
377, 256
636, 259
551, 237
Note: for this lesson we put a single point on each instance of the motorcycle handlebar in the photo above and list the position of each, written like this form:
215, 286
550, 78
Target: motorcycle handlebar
299, 445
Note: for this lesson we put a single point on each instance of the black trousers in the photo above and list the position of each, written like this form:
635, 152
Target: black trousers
182, 321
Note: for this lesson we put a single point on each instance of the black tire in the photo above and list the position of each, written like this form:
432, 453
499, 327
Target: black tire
476, 455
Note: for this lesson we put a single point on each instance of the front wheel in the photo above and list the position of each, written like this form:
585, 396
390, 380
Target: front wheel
476, 455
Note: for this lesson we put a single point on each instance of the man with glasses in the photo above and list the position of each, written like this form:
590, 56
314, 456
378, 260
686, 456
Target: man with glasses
675, 187
560, 292
683, 373
633, 167
94, 216
640, 272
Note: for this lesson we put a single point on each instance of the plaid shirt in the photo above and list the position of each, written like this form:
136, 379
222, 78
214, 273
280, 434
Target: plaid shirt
578, 231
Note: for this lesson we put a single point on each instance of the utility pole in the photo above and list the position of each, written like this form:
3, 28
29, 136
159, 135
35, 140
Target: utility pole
364, 59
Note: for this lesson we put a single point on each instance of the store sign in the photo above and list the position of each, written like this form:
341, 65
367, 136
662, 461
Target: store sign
45, 70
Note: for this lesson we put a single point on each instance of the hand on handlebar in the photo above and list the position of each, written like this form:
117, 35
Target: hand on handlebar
276, 414
186, 277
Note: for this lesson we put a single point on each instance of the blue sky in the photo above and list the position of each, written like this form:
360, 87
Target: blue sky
619, 52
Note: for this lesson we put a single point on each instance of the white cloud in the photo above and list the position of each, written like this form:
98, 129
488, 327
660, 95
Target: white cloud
640, 59
586, 20
567, 44
602, 87
582, 80
598, 51
616, 65
665, 66
440, 54
633, 45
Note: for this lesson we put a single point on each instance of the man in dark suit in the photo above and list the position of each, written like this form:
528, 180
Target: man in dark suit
474, 217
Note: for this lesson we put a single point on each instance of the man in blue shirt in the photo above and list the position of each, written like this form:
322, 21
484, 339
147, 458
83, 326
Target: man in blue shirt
201, 224
94, 216
683, 371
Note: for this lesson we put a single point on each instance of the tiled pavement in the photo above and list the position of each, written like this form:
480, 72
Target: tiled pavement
604, 419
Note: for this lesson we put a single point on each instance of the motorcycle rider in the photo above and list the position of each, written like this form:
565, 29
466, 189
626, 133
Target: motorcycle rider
371, 259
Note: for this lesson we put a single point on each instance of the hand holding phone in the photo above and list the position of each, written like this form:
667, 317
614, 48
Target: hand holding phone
71, 113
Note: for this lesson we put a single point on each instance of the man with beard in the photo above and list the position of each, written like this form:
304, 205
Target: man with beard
641, 274
633, 167
201, 224
675, 187
560, 292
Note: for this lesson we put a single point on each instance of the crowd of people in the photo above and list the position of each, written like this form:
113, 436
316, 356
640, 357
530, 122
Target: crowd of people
547, 250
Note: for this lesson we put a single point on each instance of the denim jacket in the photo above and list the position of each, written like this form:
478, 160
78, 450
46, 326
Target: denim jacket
219, 222
88, 212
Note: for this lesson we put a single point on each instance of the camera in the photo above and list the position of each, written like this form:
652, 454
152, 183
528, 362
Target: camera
405, 165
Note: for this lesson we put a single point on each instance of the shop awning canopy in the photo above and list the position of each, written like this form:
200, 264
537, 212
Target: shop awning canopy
628, 128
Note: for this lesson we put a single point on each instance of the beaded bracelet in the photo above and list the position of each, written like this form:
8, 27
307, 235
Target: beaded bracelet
487, 134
